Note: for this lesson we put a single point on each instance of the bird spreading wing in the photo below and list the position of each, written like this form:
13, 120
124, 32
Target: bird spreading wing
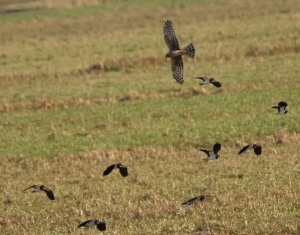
202, 78
29, 188
101, 226
109, 169
244, 149
123, 170
177, 69
170, 36
49, 193
194, 199
215, 83
205, 151
216, 148
85, 223
282, 103
257, 149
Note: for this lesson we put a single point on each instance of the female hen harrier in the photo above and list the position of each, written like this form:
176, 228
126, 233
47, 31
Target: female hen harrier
175, 52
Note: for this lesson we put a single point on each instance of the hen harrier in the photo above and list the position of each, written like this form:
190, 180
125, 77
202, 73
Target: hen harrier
175, 52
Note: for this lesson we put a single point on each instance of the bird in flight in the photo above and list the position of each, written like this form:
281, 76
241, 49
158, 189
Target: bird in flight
281, 108
42, 188
175, 53
101, 226
256, 147
122, 169
212, 154
196, 199
206, 81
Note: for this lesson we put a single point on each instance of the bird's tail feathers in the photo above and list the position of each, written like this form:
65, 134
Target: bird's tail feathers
190, 50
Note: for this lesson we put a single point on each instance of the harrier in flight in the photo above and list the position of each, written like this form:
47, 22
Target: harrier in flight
175, 53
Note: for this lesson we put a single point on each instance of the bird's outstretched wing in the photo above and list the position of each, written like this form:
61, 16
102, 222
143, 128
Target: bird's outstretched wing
83, 224
194, 199
257, 149
109, 169
244, 149
201, 78
49, 193
123, 170
216, 148
170, 36
190, 201
177, 69
101, 226
282, 103
205, 151
216, 83
28, 188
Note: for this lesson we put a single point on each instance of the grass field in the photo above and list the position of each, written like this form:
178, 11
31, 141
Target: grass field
84, 84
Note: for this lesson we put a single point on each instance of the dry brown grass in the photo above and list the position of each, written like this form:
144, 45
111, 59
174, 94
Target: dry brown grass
257, 195
130, 96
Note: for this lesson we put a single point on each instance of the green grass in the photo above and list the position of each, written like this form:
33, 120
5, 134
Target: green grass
177, 122
61, 123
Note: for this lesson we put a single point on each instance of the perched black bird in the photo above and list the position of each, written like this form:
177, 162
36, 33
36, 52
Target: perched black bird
101, 226
256, 147
281, 108
123, 169
212, 154
206, 81
40, 188
196, 199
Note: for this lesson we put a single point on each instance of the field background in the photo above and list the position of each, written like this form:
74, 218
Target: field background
84, 84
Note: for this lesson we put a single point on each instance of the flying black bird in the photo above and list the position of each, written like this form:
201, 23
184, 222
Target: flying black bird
123, 169
196, 199
101, 226
206, 81
212, 154
281, 108
256, 147
40, 188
